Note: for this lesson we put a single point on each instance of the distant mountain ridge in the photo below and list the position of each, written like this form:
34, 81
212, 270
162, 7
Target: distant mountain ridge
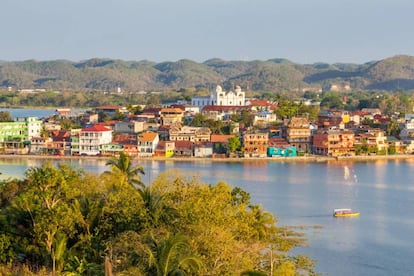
394, 73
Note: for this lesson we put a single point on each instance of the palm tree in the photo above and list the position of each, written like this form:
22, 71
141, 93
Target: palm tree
156, 207
171, 256
123, 167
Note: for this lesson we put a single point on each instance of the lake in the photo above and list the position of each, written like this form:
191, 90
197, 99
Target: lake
379, 242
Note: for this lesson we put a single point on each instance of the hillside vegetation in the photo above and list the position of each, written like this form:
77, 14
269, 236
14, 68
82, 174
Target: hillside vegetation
274, 75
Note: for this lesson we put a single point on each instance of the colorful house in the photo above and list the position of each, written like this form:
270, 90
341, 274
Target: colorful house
147, 143
92, 138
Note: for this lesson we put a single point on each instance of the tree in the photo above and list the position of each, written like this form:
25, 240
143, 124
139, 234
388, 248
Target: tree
234, 143
332, 101
171, 256
123, 168
5, 116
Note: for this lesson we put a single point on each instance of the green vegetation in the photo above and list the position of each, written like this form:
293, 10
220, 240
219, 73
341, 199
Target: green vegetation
62, 221
275, 76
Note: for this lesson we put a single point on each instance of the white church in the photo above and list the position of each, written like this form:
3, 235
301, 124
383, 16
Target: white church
221, 98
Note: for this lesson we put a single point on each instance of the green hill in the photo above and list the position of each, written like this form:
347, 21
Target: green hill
274, 75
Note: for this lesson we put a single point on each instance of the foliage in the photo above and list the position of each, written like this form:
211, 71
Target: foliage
5, 116
234, 144
101, 78
62, 220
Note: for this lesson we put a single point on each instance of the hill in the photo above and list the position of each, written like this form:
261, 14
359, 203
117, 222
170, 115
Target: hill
394, 73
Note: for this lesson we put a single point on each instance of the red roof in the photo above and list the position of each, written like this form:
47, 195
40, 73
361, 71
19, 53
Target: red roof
96, 128
220, 138
183, 144
256, 102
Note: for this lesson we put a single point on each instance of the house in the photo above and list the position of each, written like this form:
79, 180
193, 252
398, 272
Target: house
260, 105
38, 145
373, 138
188, 133
74, 141
147, 143
183, 149
255, 144
171, 115
264, 118
203, 149
333, 142
129, 127
165, 149
59, 144
279, 147
111, 109
220, 144
15, 136
297, 132
216, 112
92, 138
332, 118
128, 142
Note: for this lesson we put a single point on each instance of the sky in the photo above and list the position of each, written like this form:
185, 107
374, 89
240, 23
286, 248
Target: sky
302, 31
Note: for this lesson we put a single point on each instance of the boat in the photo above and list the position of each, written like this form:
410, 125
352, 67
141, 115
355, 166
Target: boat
345, 212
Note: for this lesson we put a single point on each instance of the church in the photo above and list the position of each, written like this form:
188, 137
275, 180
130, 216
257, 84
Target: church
221, 98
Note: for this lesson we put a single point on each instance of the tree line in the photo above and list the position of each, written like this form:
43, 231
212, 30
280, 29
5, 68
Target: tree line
59, 220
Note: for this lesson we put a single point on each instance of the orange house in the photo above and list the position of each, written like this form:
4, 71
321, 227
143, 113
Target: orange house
334, 143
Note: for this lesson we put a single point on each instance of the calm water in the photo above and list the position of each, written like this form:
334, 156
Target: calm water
379, 242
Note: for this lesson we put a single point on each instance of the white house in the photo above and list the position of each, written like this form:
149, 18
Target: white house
91, 138
264, 118
147, 144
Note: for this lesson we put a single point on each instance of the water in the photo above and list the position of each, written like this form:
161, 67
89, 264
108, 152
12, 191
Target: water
22, 112
379, 242
39, 113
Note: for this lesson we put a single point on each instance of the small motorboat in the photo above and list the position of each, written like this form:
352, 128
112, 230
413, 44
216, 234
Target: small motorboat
345, 212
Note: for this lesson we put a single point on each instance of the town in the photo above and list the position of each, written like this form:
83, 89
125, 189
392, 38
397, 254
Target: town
195, 130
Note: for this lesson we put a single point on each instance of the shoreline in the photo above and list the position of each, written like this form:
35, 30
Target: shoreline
312, 158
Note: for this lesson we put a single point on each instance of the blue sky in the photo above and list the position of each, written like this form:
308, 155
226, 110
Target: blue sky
303, 31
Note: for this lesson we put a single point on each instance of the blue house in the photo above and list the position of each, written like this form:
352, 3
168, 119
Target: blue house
281, 151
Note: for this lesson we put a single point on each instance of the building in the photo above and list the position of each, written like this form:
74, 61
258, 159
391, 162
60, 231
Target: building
373, 139
92, 138
15, 136
170, 116
333, 143
298, 133
255, 144
147, 143
129, 127
203, 149
187, 133
223, 113
264, 118
221, 98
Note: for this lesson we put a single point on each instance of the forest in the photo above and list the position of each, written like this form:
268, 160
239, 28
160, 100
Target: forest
273, 75
59, 220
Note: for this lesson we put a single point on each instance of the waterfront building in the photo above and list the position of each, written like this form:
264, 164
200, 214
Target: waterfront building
147, 143
334, 142
92, 138
15, 136
203, 149
297, 132
255, 144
